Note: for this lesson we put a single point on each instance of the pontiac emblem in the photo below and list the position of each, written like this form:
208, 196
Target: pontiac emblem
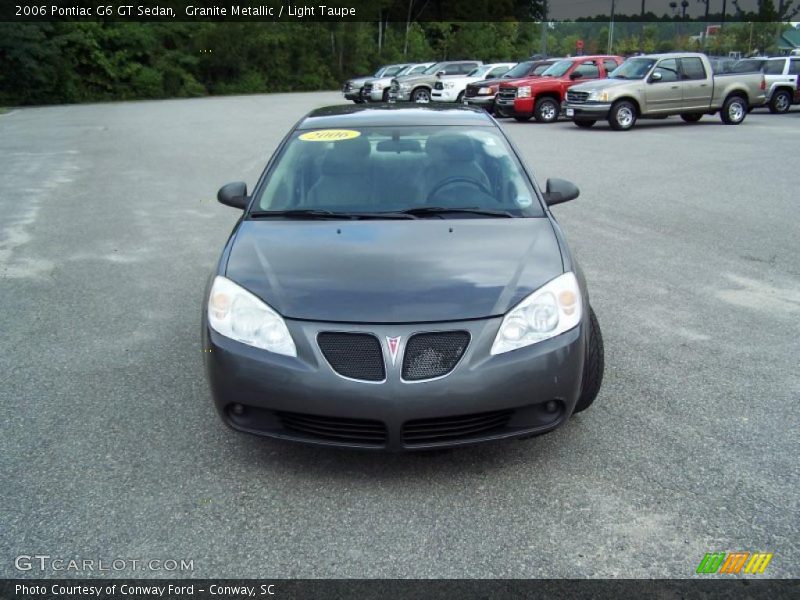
394, 345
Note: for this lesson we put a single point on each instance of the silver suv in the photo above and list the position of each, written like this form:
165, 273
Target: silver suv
781, 75
377, 90
352, 87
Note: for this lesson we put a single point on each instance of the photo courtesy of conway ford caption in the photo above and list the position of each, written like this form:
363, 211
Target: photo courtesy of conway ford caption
398, 282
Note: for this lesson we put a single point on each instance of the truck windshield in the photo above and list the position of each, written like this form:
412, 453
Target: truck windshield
557, 69
519, 71
365, 170
432, 69
633, 68
393, 70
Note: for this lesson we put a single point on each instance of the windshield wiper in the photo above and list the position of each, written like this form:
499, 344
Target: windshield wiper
470, 210
316, 213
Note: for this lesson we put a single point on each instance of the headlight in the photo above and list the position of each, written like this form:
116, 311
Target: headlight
236, 313
404, 86
598, 96
524, 91
377, 86
484, 91
549, 311
449, 85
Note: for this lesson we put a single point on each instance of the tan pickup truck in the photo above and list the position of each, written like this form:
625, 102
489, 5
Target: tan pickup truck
660, 85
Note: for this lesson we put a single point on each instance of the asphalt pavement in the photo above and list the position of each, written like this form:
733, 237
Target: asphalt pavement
110, 447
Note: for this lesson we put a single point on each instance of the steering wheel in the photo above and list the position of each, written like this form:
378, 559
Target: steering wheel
459, 179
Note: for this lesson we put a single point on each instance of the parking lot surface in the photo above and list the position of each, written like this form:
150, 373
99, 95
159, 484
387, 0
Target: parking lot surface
110, 447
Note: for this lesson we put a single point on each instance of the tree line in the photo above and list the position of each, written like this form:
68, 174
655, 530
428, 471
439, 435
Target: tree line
65, 62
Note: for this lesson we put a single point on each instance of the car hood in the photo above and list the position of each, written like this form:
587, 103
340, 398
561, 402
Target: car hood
359, 80
527, 80
601, 84
415, 78
394, 271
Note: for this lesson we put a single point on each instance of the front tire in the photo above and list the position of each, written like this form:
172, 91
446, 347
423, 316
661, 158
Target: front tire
691, 117
734, 110
421, 96
460, 98
622, 116
546, 110
781, 102
593, 366
584, 124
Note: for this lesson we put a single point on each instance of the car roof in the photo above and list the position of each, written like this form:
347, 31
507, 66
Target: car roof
388, 115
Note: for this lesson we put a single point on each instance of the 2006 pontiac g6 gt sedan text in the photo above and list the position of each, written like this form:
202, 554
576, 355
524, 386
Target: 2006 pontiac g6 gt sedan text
397, 281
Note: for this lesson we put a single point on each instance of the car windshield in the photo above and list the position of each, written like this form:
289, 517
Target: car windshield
432, 69
479, 71
372, 170
557, 69
393, 70
633, 68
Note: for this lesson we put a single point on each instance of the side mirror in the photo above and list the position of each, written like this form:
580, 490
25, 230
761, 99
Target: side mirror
440, 73
560, 190
655, 77
234, 194
575, 75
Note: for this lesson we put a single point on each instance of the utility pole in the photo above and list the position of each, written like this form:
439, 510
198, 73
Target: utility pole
611, 29
543, 44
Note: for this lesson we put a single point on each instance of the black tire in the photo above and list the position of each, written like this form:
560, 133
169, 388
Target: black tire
421, 95
734, 110
460, 98
691, 117
385, 95
780, 102
593, 366
622, 115
546, 110
584, 124
522, 118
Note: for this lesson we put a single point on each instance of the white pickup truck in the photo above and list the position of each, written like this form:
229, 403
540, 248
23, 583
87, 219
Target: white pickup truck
660, 85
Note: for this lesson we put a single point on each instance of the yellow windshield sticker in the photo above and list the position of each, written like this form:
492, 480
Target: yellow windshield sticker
330, 135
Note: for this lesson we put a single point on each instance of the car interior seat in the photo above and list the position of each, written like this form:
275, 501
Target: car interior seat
345, 178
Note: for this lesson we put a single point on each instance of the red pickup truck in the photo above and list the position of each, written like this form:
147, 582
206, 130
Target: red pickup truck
541, 97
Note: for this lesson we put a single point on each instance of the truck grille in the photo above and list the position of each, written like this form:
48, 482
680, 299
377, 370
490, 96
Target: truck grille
431, 355
353, 355
335, 429
447, 429
508, 93
573, 96
367, 89
471, 92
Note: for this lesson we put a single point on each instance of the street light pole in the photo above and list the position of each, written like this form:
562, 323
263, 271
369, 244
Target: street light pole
543, 44
611, 29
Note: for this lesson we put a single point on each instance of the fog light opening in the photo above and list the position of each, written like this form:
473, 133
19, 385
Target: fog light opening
237, 409
551, 406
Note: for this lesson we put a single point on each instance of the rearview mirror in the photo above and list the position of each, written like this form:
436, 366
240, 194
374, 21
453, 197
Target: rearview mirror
234, 194
655, 77
575, 75
560, 190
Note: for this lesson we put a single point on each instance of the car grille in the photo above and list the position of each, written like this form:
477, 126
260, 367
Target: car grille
444, 429
471, 91
431, 355
438, 85
573, 96
335, 429
508, 93
353, 355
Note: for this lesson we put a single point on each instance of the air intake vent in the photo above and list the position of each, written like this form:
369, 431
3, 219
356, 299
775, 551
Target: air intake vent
353, 355
448, 429
335, 429
430, 355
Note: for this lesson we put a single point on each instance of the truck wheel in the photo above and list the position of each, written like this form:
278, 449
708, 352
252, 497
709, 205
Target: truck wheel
460, 98
734, 110
691, 117
385, 95
522, 118
546, 110
593, 366
780, 103
584, 124
622, 116
421, 96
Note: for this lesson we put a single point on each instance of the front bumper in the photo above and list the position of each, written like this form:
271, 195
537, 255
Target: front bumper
588, 111
480, 101
398, 95
376, 95
352, 94
518, 107
483, 398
